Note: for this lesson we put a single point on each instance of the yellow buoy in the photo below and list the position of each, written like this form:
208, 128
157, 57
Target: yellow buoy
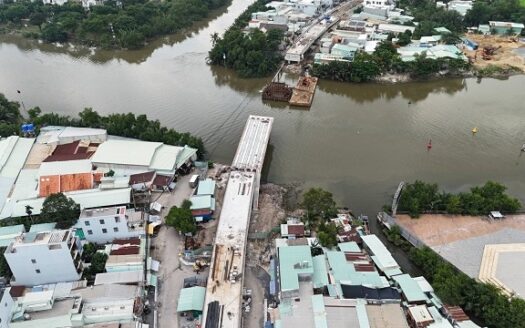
475, 130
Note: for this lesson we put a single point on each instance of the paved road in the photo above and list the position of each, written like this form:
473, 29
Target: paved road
167, 245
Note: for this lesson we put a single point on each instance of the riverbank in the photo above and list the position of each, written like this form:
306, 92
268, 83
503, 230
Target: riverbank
110, 26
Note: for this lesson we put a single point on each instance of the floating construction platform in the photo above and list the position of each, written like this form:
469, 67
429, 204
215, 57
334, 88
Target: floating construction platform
277, 91
223, 303
303, 93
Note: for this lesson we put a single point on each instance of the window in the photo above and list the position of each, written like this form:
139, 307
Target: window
115, 229
37, 271
90, 232
104, 230
101, 221
33, 261
117, 219
86, 223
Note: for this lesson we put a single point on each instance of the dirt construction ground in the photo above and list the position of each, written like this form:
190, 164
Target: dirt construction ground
436, 230
506, 55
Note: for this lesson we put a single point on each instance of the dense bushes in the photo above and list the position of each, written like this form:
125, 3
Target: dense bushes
483, 301
420, 197
385, 59
127, 24
251, 55
124, 125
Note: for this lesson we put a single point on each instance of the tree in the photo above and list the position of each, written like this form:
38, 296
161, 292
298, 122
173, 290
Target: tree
90, 118
97, 265
5, 271
404, 38
88, 251
9, 110
37, 19
181, 219
34, 112
319, 204
60, 209
327, 235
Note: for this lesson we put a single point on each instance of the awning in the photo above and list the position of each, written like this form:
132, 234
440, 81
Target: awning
152, 226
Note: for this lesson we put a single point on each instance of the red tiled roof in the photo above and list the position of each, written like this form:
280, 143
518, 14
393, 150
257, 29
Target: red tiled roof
364, 267
69, 152
141, 177
201, 212
131, 241
52, 184
125, 250
17, 291
456, 313
354, 256
161, 180
296, 229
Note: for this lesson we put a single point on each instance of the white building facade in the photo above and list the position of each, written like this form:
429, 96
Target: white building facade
45, 258
103, 225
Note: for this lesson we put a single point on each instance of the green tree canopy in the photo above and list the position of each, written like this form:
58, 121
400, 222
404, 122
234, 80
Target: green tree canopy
181, 219
319, 204
327, 235
60, 209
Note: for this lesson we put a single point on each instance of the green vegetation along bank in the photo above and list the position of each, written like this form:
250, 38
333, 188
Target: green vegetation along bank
124, 125
254, 54
123, 24
420, 197
483, 301
385, 59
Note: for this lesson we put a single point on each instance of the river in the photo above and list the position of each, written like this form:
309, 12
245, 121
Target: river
358, 141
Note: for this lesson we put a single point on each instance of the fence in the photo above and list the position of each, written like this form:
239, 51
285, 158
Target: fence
389, 222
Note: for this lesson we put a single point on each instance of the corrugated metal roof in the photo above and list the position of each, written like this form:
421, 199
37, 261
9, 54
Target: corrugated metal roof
13, 153
319, 311
292, 261
185, 154
201, 202
410, 288
62, 168
86, 199
165, 158
191, 299
382, 257
345, 272
206, 187
42, 227
126, 152
320, 278
124, 277
362, 315
8, 234
350, 246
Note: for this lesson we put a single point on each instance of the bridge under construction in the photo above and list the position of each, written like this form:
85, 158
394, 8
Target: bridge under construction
223, 303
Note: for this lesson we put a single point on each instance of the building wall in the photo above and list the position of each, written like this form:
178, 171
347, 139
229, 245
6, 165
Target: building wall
6, 305
94, 232
122, 169
50, 265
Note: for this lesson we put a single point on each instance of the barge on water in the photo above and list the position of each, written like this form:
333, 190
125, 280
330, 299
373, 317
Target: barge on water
303, 93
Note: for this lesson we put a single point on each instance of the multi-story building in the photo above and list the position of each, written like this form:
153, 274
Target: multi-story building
103, 225
47, 257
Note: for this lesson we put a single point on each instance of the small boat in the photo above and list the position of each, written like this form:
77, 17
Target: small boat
429, 144
523, 148
475, 130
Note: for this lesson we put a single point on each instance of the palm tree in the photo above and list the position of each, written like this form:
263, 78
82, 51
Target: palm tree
214, 38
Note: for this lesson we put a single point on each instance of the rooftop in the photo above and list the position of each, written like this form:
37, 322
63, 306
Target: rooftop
386, 316
68, 167
59, 134
106, 211
41, 227
410, 288
39, 238
126, 152
202, 202
191, 299
293, 261
124, 277
165, 158
206, 187
380, 254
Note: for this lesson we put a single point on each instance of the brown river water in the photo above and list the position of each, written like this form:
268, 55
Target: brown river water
358, 141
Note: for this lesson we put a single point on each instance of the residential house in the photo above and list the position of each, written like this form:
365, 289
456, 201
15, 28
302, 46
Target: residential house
292, 229
44, 258
104, 225
505, 28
